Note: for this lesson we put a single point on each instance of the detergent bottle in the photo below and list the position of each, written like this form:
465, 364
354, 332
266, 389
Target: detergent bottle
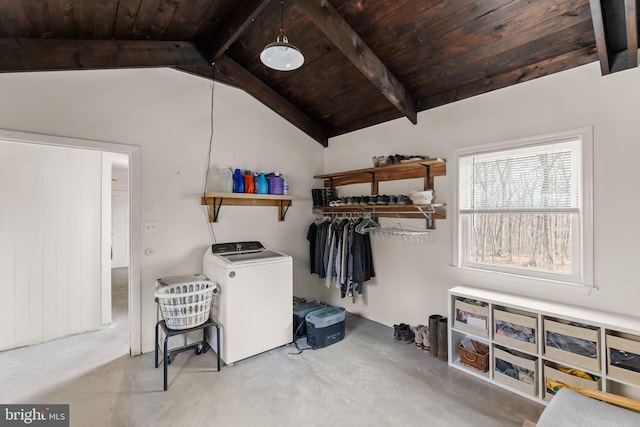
277, 184
238, 182
249, 186
263, 186
225, 184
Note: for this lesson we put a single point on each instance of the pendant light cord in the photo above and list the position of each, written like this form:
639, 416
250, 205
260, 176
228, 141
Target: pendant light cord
282, 17
212, 234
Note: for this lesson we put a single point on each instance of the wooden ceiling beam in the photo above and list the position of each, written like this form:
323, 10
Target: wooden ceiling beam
205, 71
57, 54
246, 81
601, 42
615, 24
631, 20
333, 25
241, 17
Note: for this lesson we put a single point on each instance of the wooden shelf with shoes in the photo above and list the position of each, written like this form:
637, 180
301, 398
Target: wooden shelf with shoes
426, 169
215, 200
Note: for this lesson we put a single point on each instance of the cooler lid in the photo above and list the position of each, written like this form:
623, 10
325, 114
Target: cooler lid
326, 316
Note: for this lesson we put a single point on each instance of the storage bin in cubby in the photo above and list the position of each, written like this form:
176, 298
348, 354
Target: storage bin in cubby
471, 318
515, 369
516, 329
575, 343
553, 376
623, 358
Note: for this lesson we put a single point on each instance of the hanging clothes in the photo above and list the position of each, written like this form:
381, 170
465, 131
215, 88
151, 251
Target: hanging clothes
340, 254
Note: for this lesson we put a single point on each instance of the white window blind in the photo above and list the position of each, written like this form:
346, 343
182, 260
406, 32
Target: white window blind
520, 209
544, 177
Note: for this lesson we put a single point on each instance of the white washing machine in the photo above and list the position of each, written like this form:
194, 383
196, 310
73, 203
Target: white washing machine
254, 304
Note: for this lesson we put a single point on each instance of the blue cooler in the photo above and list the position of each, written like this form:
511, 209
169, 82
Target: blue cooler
300, 311
325, 326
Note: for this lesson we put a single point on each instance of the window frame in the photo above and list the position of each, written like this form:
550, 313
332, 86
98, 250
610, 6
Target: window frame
582, 274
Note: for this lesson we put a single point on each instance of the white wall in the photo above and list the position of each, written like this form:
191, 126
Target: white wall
412, 280
167, 114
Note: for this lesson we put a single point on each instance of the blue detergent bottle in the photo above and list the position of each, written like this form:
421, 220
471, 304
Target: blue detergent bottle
238, 182
263, 186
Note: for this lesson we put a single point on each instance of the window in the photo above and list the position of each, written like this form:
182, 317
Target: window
521, 208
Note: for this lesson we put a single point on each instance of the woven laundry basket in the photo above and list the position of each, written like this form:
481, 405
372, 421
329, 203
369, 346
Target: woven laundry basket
185, 301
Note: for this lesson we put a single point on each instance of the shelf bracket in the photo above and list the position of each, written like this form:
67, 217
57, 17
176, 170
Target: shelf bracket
374, 184
428, 179
283, 207
214, 208
428, 215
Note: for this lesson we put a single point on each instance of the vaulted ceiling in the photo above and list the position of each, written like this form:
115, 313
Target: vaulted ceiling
366, 61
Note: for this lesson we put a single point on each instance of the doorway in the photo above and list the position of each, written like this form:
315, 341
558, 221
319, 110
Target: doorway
132, 273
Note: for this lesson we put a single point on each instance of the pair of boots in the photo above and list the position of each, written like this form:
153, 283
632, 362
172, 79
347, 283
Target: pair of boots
403, 332
438, 337
418, 333
421, 337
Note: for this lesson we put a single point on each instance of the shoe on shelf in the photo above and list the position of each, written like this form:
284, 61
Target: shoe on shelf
364, 200
383, 200
373, 200
403, 200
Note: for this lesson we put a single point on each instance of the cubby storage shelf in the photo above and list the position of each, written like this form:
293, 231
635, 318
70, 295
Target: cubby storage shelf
215, 200
602, 331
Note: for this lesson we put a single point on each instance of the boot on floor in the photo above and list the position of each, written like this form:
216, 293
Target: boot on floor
443, 346
417, 334
426, 344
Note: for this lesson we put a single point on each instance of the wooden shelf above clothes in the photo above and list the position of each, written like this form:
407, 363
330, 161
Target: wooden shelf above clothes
215, 200
430, 212
427, 169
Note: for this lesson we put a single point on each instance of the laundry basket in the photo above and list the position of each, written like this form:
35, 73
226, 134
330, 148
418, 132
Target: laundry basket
184, 301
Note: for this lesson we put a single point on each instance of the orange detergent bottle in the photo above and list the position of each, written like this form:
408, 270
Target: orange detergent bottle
249, 186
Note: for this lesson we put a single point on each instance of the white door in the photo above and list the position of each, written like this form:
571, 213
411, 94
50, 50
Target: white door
119, 228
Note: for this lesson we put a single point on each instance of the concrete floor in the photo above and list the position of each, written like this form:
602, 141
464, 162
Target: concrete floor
367, 379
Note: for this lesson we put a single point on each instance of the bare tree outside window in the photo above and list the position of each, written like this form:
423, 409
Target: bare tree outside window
519, 208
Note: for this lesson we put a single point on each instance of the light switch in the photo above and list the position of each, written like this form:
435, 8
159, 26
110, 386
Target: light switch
151, 227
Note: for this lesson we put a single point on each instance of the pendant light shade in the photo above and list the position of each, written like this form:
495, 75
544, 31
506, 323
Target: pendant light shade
282, 55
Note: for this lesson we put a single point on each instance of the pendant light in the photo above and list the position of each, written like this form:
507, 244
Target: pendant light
282, 55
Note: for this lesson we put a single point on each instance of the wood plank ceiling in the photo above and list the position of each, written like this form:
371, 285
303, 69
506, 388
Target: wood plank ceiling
366, 61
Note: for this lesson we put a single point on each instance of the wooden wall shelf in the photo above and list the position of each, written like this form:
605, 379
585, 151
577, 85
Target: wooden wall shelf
430, 212
215, 200
426, 169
